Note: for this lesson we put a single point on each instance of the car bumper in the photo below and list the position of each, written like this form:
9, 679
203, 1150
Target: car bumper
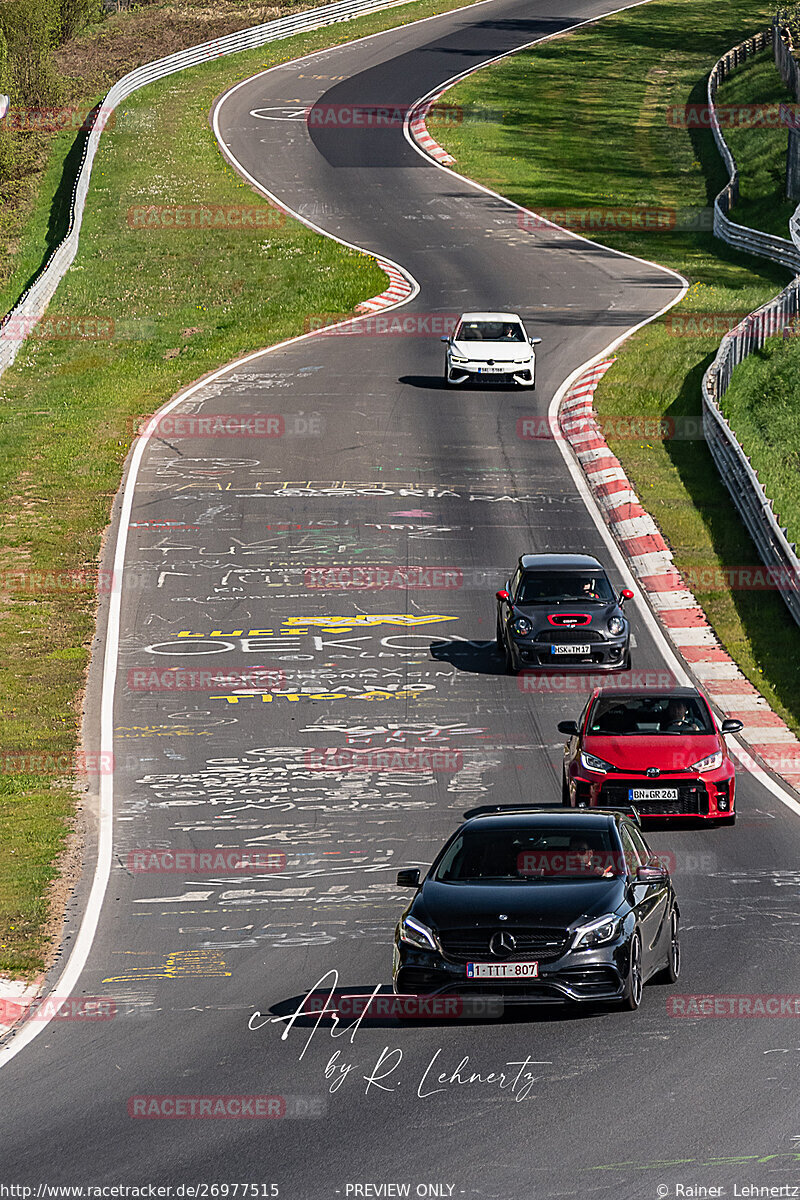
710, 797
610, 655
581, 976
459, 373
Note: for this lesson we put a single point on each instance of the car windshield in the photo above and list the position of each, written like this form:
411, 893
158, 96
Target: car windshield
649, 715
531, 855
490, 331
554, 587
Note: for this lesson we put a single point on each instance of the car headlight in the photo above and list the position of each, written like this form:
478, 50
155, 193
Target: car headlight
455, 359
590, 762
615, 625
521, 627
710, 763
597, 933
417, 934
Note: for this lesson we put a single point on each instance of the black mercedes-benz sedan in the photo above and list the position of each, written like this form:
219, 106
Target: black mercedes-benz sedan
540, 905
561, 610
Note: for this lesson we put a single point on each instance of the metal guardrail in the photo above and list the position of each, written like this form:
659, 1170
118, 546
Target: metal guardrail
735, 468
753, 241
19, 322
794, 227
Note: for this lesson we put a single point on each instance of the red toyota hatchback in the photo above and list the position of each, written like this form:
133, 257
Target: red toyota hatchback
659, 752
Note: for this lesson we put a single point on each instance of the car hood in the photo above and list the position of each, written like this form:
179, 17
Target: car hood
499, 351
597, 612
637, 752
461, 905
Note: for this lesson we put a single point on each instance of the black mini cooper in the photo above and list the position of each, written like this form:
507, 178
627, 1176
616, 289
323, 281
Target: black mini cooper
560, 610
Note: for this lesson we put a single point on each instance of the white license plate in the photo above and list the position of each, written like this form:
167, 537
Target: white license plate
506, 970
491, 370
653, 794
568, 648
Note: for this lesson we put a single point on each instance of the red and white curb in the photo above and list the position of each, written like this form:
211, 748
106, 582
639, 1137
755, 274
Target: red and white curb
419, 132
15, 996
399, 288
676, 607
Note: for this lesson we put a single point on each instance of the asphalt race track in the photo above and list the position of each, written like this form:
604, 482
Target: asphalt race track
379, 464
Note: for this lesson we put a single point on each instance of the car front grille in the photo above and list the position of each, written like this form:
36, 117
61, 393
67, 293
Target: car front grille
468, 945
692, 797
576, 633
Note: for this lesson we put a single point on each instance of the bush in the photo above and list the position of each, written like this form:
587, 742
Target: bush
30, 29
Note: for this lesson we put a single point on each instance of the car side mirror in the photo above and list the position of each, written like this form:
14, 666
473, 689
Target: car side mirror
534, 341
568, 727
653, 871
409, 877
444, 339
625, 594
732, 725
503, 595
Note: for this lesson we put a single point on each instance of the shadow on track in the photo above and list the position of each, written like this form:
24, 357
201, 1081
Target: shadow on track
479, 658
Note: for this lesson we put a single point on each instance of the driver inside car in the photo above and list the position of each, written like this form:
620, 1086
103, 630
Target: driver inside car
587, 860
679, 718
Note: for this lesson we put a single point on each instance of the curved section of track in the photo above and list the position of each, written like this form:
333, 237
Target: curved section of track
233, 541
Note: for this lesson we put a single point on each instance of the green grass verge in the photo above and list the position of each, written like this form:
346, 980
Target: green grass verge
584, 125
183, 303
760, 152
763, 406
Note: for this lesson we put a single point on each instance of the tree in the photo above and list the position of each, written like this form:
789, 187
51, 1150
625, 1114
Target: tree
75, 15
30, 29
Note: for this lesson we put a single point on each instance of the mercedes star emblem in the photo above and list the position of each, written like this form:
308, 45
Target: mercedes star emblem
502, 943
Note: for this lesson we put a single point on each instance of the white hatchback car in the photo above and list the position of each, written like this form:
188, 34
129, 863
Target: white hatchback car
492, 346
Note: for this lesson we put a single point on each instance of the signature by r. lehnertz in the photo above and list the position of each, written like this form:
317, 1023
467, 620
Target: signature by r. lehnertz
516, 1078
